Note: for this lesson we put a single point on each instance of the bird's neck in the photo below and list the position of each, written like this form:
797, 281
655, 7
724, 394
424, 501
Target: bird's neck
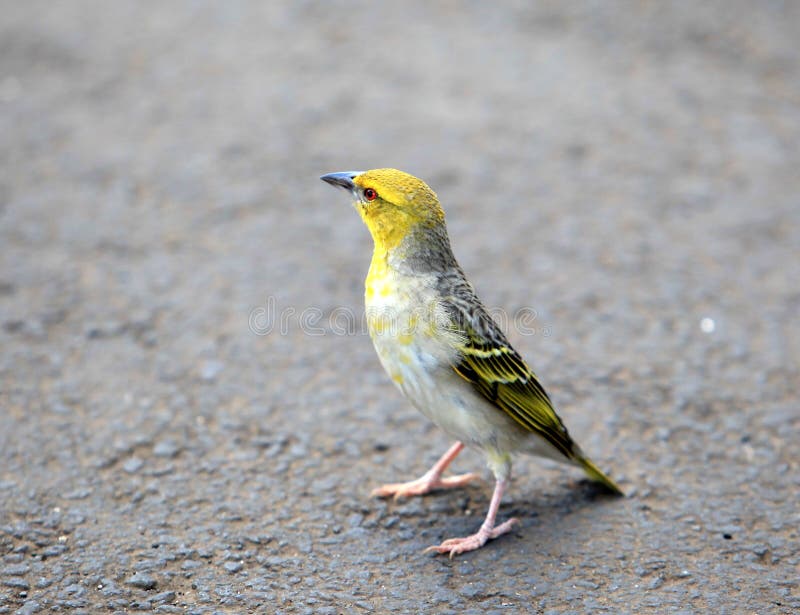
423, 250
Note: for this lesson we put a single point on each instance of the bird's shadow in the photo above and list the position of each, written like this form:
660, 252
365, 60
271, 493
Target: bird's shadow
551, 508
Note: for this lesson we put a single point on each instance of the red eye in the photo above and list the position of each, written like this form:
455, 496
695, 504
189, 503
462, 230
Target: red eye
370, 194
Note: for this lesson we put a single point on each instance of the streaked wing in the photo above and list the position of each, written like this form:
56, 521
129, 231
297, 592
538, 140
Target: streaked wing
499, 373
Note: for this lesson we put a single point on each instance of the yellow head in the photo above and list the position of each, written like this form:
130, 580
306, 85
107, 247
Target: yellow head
391, 203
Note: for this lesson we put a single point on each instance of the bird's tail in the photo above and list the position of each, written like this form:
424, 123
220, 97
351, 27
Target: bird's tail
597, 475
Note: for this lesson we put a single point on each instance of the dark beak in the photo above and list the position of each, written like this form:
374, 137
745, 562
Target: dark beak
342, 180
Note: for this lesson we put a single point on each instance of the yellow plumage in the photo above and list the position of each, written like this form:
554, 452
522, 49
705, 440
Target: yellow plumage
438, 344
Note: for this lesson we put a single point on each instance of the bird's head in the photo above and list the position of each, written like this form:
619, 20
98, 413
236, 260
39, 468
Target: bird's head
392, 204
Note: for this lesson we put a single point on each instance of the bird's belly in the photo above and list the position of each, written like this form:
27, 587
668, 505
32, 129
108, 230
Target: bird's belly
426, 377
415, 352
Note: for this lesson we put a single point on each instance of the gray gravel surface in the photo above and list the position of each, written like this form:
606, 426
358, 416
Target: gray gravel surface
627, 170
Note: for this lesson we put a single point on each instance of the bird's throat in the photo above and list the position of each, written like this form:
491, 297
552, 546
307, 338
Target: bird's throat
388, 231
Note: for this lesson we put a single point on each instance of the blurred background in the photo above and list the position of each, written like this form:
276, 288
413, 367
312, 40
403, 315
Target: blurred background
183, 425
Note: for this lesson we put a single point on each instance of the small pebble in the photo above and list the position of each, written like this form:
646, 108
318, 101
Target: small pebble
233, 567
16, 583
167, 596
29, 608
166, 448
133, 465
15, 570
142, 581
211, 369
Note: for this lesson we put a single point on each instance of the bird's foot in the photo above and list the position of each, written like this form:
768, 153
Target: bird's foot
422, 485
454, 546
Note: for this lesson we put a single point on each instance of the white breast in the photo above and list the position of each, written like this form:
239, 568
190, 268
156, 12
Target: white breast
402, 316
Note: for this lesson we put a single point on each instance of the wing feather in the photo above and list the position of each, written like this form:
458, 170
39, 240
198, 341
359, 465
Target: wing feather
497, 371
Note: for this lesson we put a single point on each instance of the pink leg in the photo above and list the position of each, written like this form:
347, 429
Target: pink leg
488, 531
432, 479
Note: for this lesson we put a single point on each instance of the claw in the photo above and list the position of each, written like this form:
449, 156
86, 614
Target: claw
422, 485
432, 479
456, 546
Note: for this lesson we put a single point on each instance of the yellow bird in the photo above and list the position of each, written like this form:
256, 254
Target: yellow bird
439, 345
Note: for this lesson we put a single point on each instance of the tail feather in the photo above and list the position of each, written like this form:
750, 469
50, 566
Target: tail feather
597, 475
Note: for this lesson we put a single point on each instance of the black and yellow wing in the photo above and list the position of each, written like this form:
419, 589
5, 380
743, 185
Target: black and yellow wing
491, 365
500, 374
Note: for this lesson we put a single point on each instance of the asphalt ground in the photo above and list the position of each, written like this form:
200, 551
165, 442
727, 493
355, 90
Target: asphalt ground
191, 417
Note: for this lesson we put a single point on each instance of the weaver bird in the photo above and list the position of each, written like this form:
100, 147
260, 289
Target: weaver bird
439, 345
